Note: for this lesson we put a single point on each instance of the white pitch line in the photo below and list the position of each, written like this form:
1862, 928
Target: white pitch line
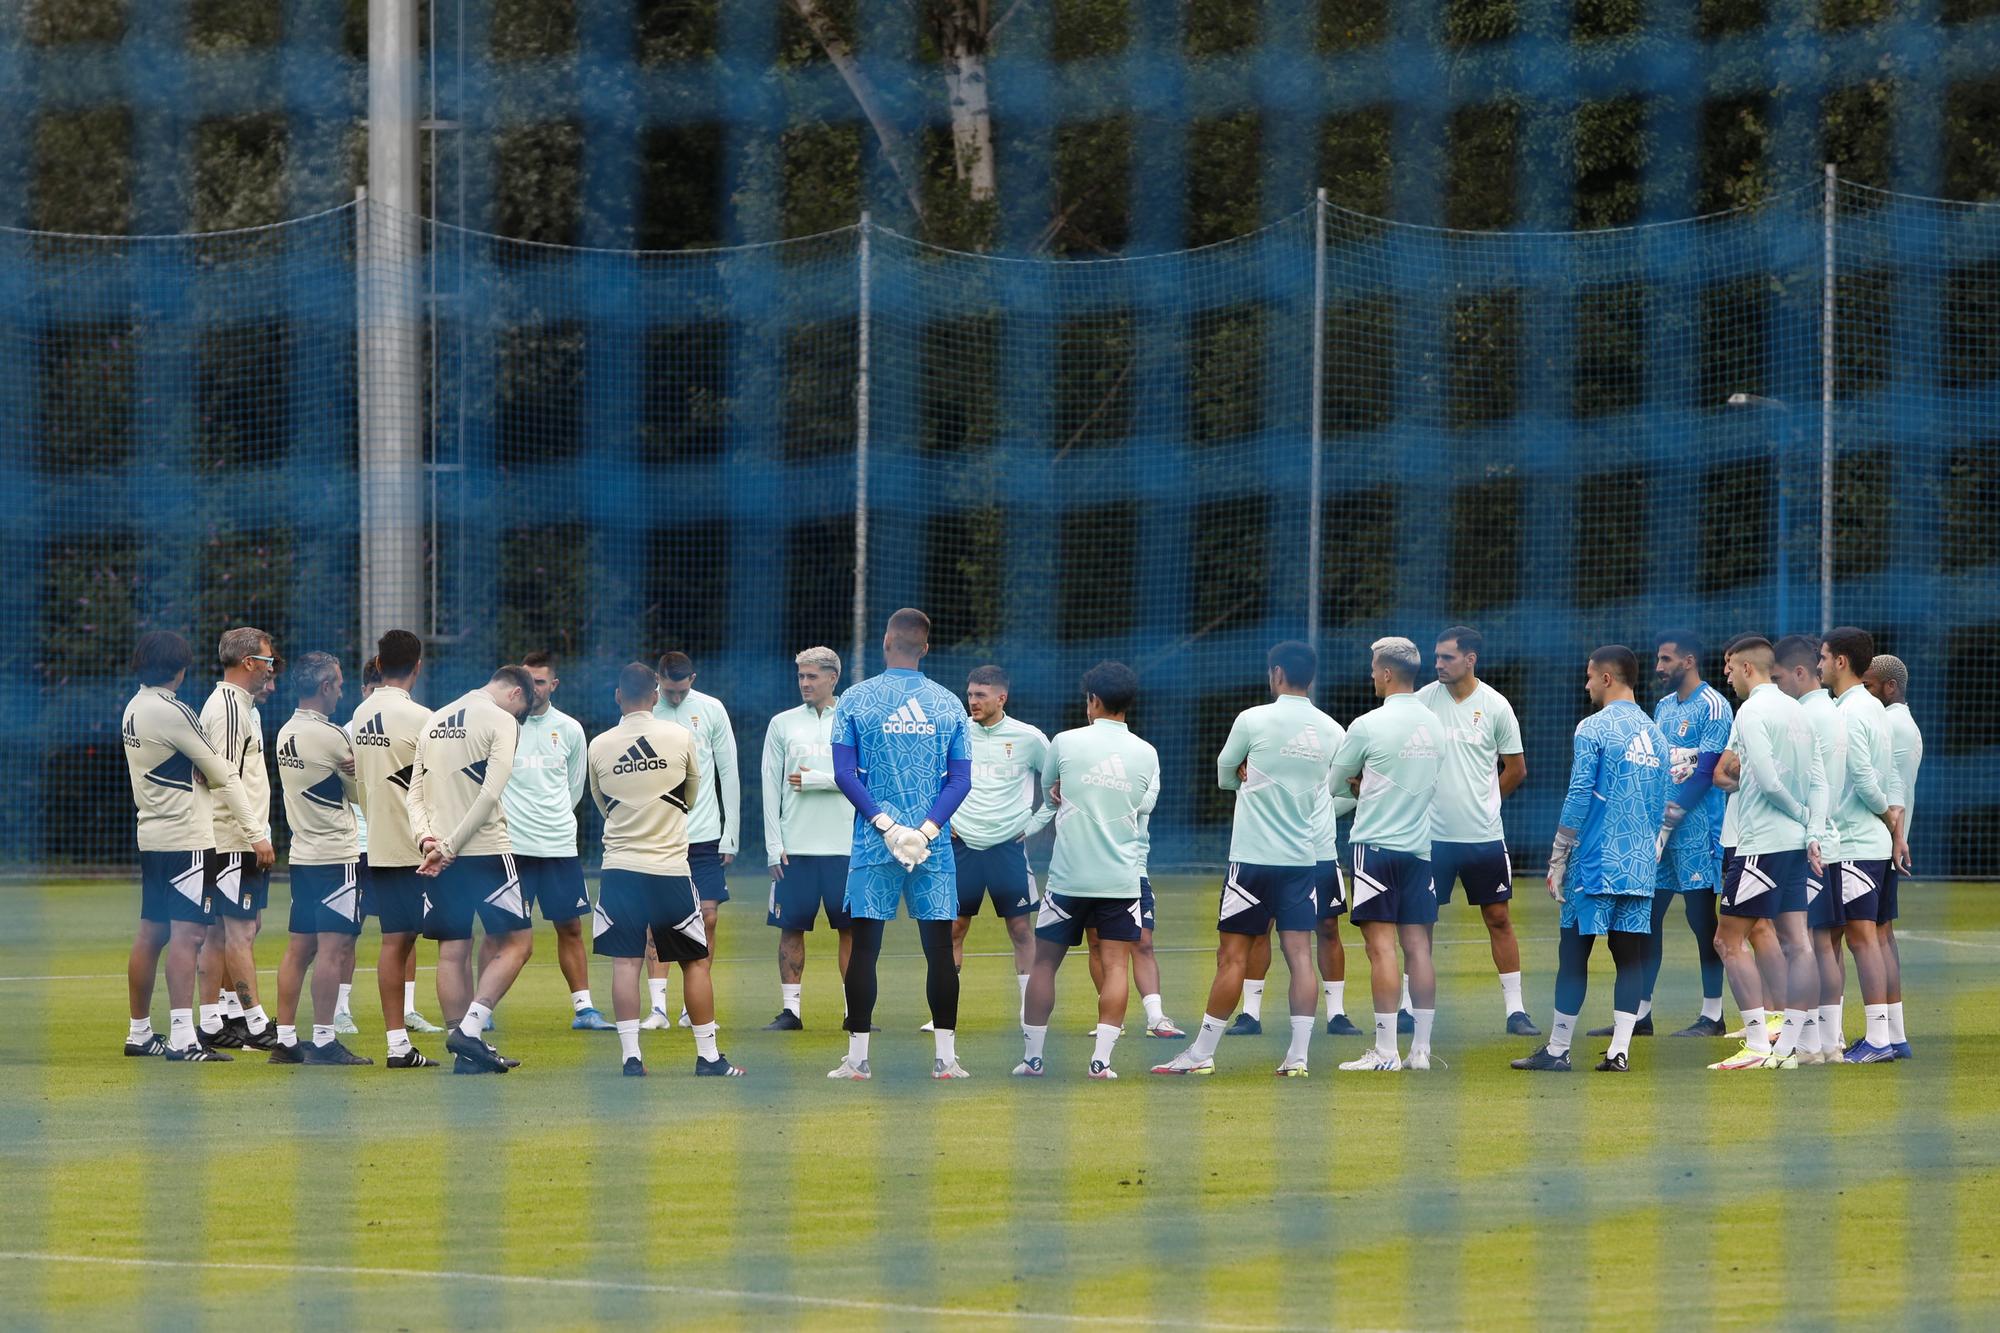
637, 1288
1944, 939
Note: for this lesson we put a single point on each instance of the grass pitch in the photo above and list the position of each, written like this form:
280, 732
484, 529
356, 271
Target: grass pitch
139, 1193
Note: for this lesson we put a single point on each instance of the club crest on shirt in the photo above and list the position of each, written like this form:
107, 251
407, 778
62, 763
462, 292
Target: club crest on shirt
1684, 727
1009, 746
1475, 717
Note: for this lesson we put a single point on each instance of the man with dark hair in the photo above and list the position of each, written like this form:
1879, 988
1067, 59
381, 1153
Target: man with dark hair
1780, 819
551, 771
991, 830
464, 759
1868, 826
243, 856
1696, 720
643, 779
1106, 781
1483, 766
1888, 679
343, 1017
1797, 675
316, 771
714, 825
1276, 760
902, 757
386, 728
808, 827
165, 746
1392, 758
1605, 860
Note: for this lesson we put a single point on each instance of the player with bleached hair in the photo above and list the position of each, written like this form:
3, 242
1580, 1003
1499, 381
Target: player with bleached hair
808, 828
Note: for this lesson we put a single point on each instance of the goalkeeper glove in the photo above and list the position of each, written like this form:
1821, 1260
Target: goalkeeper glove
911, 847
1673, 821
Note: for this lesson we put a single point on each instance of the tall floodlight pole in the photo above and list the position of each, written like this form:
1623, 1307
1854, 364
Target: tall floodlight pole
858, 667
1826, 373
389, 264
1315, 534
1784, 413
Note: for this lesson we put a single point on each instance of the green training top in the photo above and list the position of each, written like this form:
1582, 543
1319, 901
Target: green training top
1394, 751
1780, 801
1108, 780
1005, 759
1871, 784
813, 818
1284, 748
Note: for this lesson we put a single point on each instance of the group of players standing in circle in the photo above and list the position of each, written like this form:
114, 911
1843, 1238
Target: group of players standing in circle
896, 793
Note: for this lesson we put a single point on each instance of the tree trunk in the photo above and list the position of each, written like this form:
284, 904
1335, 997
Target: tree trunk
863, 88
962, 36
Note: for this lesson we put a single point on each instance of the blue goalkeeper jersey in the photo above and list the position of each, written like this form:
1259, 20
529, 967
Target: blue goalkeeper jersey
905, 729
1699, 725
1617, 800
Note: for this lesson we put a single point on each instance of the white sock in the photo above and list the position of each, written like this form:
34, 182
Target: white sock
1033, 1039
946, 1040
346, 994
580, 1000
857, 1048
1107, 1037
658, 987
142, 1030
704, 1041
1877, 1016
322, 1034
1156, 1012
1385, 1035
791, 991
399, 1041
628, 1039
1711, 1007
1253, 999
211, 1019
409, 997
1510, 993
474, 1025
257, 1018
1021, 980
1561, 1032
1645, 1009
1830, 1037
1336, 998
1896, 1022
1809, 1032
1302, 1031
180, 1028
232, 1004
1788, 1035
1420, 1040
1755, 1035
1621, 1032
1208, 1038
1404, 1002
287, 1036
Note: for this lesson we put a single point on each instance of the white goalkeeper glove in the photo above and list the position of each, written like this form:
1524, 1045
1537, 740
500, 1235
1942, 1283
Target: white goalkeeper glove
1680, 763
1673, 821
911, 847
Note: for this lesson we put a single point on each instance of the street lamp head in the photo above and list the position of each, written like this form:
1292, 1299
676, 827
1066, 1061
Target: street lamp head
1759, 400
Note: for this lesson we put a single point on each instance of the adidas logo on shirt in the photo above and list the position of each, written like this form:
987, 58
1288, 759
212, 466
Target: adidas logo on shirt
132, 740
639, 759
451, 729
1109, 773
372, 734
1421, 745
1305, 745
909, 720
1640, 753
288, 754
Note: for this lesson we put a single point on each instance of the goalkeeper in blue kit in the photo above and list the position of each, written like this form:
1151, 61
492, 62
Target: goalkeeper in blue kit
902, 757
1606, 856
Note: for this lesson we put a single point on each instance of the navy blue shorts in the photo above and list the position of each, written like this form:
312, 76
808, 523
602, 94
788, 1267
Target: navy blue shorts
630, 904
484, 886
1861, 885
1064, 919
395, 896
175, 886
1763, 884
1823, 903
1255, 897
241, 889
1331, 887
811, 884
999, 873
711, 880
1392, 886
1886, 906
555, 884
1145, 903
326, 900
1483, 866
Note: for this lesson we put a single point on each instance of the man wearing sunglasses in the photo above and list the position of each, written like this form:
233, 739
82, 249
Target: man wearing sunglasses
241, 862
